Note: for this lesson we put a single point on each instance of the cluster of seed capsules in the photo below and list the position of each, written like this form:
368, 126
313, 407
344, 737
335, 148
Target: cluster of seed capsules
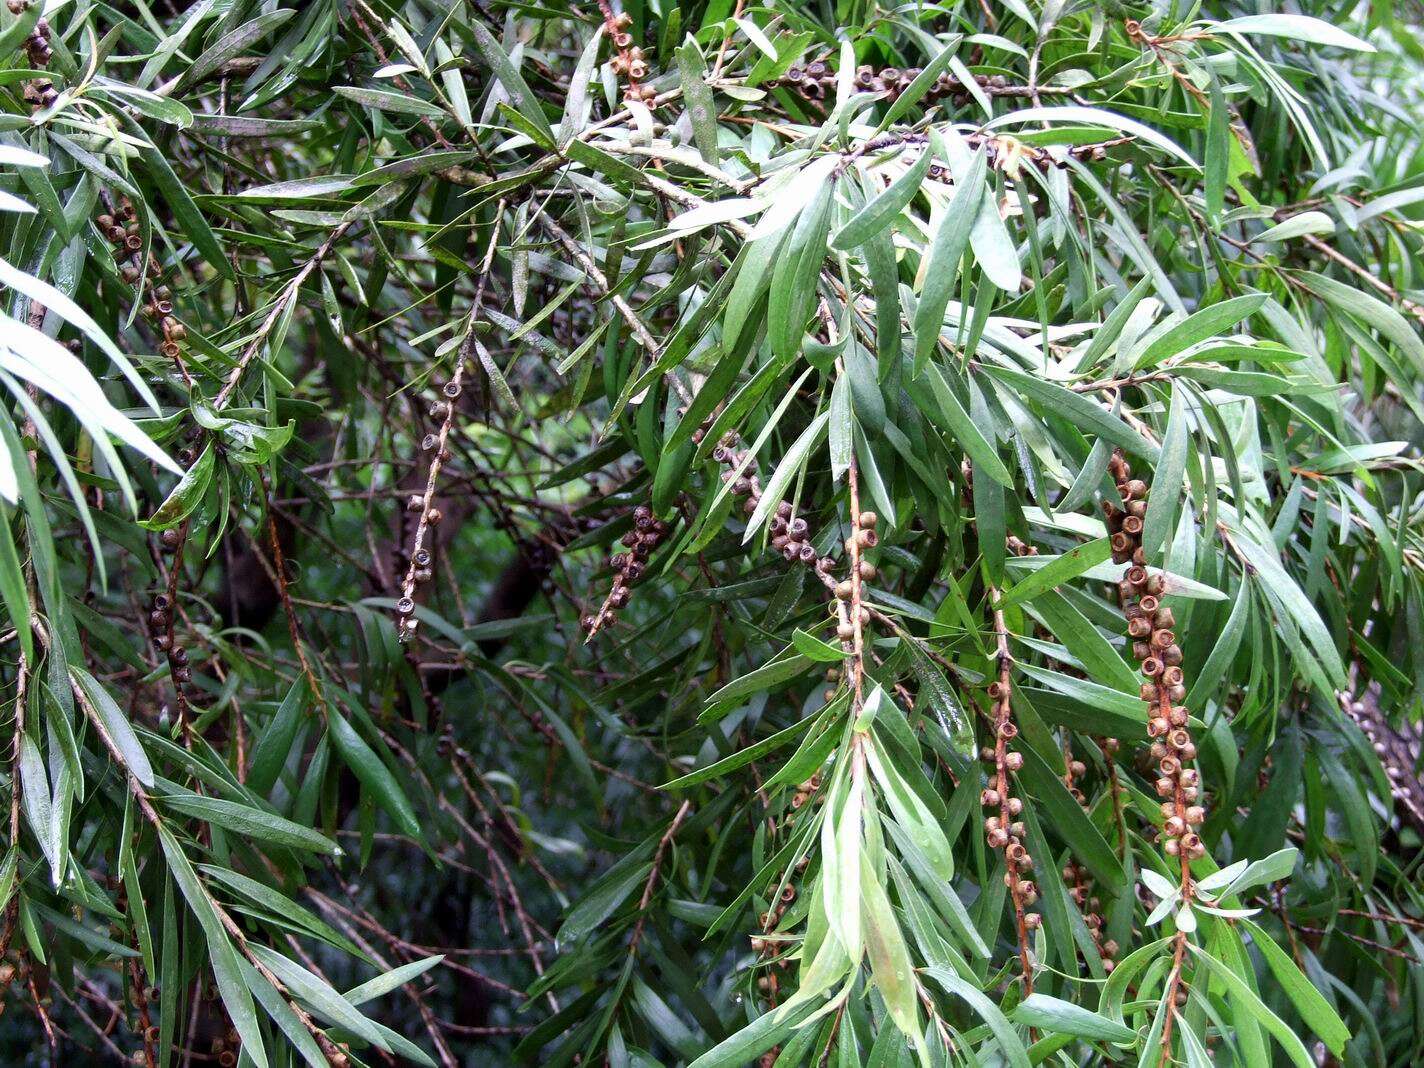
790, 533
628, 61
1396, 753
160, 621
39, 93
1154, 646
1002, 828
647, 533
817, 81
769, 950
418, 561
1080, 888
124, 234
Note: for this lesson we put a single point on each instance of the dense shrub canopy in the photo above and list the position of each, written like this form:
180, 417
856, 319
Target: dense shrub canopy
711, 534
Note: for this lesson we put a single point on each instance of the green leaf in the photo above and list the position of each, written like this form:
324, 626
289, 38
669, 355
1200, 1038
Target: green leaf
282, 1014
389, 100
740, 758
890, 965
1284, 591
111, 719
1295, 28
603, 898
1086, 414
882, 210
372, 773
391, 980
1370, 310
262, 827
1317, 1013
790, 464
1063, 1017
1165, 501
701, 108
184, 497
1218, 151
1206, 323
274, 745
1063, 568
957, 422
301, 919
1009, 1043
222, 957
1247, 997
946, 247
232, 43
319, 996
519, 95
1076, 113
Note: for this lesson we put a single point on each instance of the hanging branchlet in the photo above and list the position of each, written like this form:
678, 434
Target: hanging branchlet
418, 554
1155, 648
1003, 829
419, 560
163, 631
1076, 876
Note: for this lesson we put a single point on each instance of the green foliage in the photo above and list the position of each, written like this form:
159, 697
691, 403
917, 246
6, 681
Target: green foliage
666, 536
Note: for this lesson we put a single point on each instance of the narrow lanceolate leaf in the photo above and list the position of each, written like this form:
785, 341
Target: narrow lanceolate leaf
1087, 414
971, 438
1287, 594
187, 494
1165, 501
391, 980
111, 719
233, 43
890, 964
1066, 567
796, 272
221, 955
262, 827
881, 210
319, 996
1209, 322
1010, 1046
941, 269
499, 63
39, 812
742, 758
1295, 27
372, 773
701, 108
1057, 1016
1289, 1042
389, 100
1313, 1008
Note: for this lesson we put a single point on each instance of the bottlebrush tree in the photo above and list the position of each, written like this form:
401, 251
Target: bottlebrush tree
711, 534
